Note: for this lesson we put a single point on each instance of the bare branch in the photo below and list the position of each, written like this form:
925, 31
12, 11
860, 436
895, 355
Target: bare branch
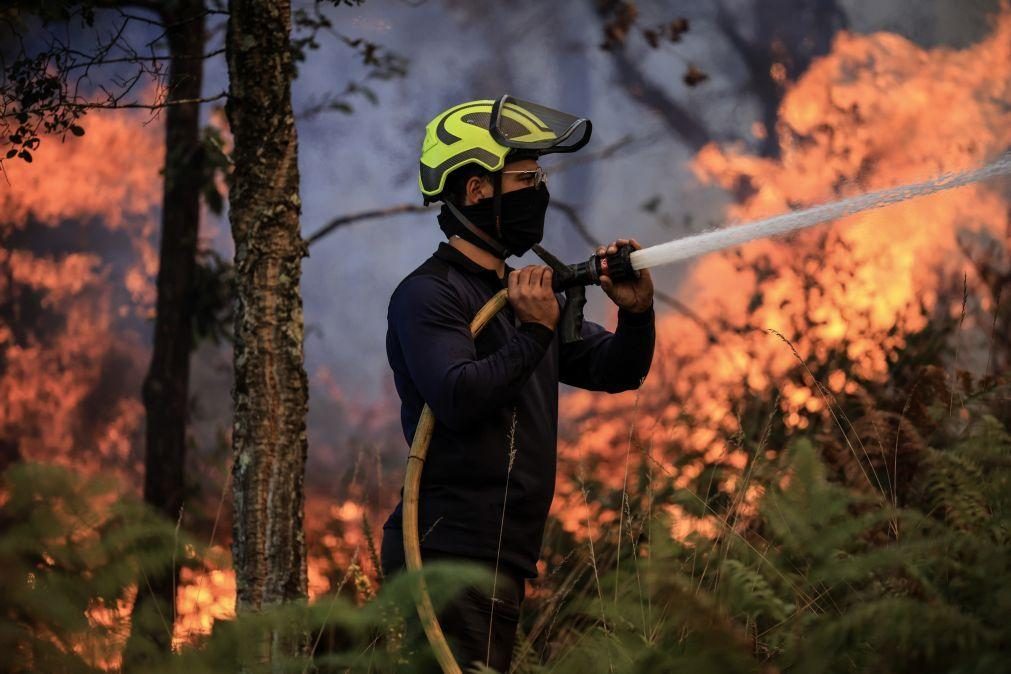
381, 63
570, 212
45, 92
780, 51
156, 6
619, 18
759, 64
364, 215
152, 57
626, 143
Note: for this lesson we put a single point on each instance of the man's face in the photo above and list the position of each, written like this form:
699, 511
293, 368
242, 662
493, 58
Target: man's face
517, 181
482, 188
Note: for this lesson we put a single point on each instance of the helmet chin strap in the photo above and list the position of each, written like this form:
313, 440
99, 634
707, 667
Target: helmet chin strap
499, 250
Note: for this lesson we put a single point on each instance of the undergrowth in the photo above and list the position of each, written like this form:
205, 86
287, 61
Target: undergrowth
874, 540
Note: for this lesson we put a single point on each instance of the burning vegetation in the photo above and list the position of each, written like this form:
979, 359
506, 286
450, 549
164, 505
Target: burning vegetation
809, 320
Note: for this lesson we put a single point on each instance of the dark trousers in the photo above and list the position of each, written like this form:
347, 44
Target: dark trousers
467, 620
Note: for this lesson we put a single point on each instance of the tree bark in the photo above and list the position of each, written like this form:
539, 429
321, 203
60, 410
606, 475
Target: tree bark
166, 386
271, 389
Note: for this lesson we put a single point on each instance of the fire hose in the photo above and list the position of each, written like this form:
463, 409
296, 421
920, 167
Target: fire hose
620, 266
412, 486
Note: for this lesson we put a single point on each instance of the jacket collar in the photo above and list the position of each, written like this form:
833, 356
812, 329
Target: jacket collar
455, 257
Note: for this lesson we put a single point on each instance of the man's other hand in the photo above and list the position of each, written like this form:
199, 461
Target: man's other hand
635, 295
531, 296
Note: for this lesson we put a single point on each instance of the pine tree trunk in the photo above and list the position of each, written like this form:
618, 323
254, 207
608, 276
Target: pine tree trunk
270, 392
166, 387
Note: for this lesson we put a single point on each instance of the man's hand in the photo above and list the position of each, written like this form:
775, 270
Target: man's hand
531, 296
635, 295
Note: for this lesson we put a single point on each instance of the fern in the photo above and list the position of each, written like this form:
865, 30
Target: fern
893, 635
68, 547
950, 489
747, 592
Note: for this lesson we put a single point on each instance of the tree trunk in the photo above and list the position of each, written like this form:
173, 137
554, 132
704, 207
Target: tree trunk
271, 388
166, 387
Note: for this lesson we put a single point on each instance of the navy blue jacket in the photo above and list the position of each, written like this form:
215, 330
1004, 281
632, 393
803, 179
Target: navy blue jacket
475, 387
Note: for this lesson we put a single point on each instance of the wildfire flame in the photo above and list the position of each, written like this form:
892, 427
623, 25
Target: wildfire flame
73, 360
78, 236
877, 111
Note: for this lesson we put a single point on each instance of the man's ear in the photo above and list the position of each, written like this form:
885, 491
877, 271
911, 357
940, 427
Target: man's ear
474, 190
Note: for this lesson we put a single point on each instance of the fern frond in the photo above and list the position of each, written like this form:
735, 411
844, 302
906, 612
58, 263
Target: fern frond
949, 489
747, 592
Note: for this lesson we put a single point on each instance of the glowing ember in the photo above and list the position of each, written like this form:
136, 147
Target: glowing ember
203, 597
106, 653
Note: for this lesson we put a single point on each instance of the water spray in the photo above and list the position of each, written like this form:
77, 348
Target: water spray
625, 263
708, 242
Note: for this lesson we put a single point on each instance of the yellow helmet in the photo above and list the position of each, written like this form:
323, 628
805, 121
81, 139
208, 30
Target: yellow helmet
483, 132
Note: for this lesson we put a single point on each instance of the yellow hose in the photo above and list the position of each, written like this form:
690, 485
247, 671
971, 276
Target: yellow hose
412, 485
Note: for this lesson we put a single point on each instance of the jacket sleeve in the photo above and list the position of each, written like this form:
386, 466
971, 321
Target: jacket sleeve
433, 331
612, 362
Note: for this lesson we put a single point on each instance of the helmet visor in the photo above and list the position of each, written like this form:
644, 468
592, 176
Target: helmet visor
528, 126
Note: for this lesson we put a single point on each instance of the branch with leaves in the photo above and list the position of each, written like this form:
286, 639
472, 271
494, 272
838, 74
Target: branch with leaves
619, 20
381, 63
46, 91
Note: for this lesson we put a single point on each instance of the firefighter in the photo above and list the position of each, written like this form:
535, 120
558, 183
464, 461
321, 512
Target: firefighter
489, 474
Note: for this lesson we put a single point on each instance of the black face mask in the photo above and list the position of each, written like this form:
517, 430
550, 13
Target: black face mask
522, 218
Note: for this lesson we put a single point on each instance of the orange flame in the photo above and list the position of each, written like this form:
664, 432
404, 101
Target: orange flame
877, 111
59, 364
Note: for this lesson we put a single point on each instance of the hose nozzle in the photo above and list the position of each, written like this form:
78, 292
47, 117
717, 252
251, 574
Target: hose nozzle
617, 266
573, 279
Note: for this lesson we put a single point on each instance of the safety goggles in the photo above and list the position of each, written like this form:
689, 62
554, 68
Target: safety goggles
538, 174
